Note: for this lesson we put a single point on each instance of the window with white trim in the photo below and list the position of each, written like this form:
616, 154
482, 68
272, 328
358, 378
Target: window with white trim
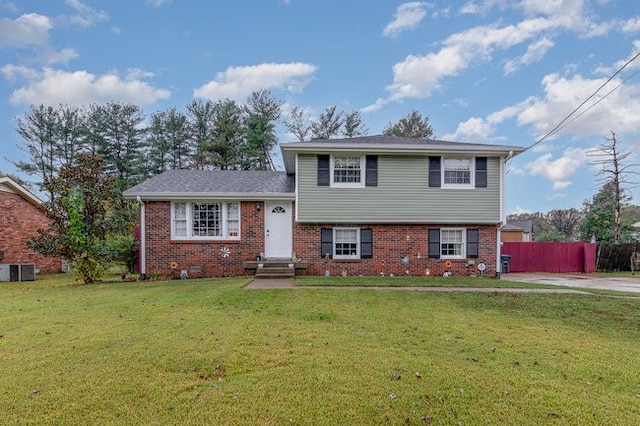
205, 220
346, 243
457, 173
346, 171
452, 243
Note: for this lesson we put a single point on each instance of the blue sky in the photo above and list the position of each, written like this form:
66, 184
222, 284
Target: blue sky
492, 71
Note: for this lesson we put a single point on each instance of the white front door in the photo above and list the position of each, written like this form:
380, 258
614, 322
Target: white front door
278, 232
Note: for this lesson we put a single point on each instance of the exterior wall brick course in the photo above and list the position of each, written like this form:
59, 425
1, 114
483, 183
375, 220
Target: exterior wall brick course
391, 244
19, 221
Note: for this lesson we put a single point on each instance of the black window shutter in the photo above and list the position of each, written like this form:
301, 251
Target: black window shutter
473, 243
326, 242
366, 243
434, 172
481, 172
371, 174
323, 170
434, 243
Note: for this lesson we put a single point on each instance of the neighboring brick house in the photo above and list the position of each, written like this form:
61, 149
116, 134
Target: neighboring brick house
372, 205
20, 218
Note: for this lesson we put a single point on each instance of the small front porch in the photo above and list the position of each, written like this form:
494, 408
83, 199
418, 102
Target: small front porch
275, 268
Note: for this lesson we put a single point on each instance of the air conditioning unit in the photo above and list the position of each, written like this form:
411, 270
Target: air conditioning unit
17, 272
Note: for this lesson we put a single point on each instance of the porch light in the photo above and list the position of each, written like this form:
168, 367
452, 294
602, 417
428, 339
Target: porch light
258, 205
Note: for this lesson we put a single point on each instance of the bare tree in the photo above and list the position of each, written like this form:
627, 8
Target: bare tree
614, 172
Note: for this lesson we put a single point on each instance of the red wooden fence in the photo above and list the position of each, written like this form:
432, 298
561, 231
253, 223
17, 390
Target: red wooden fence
551, 257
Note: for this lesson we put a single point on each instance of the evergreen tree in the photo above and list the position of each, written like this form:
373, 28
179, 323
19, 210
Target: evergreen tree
412, 125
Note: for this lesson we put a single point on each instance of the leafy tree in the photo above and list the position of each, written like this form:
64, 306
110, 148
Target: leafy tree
260, 140
225, 147
118, 132
168, 137
201, 123
353, 125
551, 236
79, 216
565, 222
39, 129
262, 113
328, 124
600, 218
299, 124
412, 125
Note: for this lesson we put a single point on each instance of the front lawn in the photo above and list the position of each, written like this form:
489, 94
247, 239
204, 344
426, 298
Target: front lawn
414, 281
209, 352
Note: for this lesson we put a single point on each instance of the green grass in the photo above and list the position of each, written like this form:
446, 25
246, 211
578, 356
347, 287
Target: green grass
210, 352
414, 282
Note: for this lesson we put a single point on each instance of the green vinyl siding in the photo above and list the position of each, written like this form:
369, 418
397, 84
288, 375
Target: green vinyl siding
402, 195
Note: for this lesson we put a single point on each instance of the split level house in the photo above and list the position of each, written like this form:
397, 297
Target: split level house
372, 205
20, 219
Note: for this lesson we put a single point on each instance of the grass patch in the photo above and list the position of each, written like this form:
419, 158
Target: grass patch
413, 281
208, 351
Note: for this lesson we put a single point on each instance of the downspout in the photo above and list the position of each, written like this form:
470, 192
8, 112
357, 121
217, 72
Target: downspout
503, 209
143, 241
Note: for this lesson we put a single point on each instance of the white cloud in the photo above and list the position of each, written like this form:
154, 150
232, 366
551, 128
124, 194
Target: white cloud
29, 29
81, 87
473, 130
631, 26
239, 82
407, 17
558, 170
159, 3
561, 184
87, 16
418, 76
620, 110
535, 52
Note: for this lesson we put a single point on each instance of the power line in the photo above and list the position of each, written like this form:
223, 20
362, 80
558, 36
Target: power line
562, 122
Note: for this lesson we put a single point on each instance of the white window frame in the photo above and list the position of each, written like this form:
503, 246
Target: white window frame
463, 243
335, 243
334, 184
230, 225
472, 174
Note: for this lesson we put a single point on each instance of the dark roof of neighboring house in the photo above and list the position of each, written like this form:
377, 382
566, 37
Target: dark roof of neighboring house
518, 225
391, 144
229, 184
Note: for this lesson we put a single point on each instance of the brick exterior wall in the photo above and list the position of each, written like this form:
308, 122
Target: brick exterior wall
201, 258
19, 221
391, 243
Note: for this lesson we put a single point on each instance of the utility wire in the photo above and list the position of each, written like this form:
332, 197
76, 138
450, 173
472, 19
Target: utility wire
562, 122
599, 100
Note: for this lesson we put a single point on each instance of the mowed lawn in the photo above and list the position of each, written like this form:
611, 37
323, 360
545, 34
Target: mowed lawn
201, 352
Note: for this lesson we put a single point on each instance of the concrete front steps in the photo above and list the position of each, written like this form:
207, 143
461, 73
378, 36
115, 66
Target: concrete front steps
274, 268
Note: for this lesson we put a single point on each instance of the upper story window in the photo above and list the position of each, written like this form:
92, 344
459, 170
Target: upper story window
205, 221
347, 171
457, 173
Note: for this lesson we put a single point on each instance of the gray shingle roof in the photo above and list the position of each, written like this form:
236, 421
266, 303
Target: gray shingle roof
391, 144
242, 184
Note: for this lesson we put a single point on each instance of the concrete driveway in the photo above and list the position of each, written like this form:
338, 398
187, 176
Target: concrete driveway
629, 284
